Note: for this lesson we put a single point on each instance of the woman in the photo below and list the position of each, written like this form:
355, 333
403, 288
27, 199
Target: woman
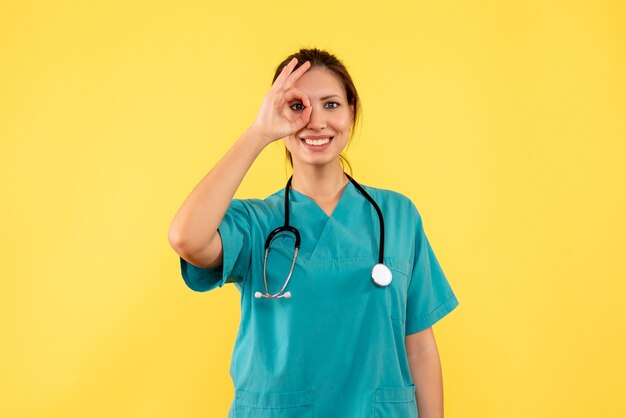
341, 326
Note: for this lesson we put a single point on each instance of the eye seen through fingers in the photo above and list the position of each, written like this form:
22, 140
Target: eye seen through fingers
297, 106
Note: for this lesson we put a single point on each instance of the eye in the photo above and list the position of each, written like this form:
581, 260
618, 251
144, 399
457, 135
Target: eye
296, 106
332, 105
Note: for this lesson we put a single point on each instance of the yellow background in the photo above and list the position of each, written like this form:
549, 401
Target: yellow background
503, 121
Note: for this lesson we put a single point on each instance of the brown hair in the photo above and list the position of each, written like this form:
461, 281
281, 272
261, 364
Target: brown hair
324, 59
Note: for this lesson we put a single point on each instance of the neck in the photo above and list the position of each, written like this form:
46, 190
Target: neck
319, 183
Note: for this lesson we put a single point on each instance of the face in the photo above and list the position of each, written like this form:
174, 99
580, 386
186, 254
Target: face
321, 141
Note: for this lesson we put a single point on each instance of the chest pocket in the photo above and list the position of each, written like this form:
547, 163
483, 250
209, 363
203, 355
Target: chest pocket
273, 404
398, 289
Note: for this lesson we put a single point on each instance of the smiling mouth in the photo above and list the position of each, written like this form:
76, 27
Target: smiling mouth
318, 141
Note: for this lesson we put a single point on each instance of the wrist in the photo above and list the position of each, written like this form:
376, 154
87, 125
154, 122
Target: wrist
254, 139
263, 137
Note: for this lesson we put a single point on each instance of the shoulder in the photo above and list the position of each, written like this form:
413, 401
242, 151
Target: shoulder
256, 208
391, 201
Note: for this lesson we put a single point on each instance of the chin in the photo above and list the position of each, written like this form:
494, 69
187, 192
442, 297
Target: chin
315, 162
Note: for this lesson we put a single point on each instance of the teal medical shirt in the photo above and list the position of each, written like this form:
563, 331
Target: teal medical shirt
336, 347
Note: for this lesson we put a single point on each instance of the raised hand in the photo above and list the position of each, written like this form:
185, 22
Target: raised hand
276, 119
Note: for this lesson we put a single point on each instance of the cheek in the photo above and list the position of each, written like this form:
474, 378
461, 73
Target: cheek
290, 142
342, 124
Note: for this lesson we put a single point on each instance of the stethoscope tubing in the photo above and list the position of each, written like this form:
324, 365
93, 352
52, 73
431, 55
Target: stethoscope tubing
381, 246
278, 295
288, 228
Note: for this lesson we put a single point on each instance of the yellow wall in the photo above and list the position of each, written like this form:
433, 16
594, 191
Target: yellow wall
504, 121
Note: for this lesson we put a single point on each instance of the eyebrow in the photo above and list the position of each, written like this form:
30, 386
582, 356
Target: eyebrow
328, 97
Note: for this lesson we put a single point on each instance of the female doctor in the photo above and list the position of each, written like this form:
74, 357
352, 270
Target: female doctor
339, 284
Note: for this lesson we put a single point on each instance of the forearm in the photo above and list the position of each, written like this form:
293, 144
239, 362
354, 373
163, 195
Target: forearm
425, 369
198, 218
193, 232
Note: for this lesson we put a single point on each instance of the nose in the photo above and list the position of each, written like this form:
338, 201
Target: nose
317, 120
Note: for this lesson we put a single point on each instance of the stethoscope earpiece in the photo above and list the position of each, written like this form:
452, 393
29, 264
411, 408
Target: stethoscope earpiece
260, 295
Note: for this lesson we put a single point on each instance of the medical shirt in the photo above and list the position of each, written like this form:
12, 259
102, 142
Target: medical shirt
335, 348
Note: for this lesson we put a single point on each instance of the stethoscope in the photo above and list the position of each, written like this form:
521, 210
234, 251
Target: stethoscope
381, 275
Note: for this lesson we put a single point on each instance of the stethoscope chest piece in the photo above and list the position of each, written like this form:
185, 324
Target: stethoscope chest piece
381, 275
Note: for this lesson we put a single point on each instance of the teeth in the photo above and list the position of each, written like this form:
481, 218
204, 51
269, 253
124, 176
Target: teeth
321, 141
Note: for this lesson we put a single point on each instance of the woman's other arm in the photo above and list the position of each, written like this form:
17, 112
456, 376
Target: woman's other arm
425, 367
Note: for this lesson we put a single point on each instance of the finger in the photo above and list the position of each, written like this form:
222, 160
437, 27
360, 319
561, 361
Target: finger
291, 97
296, 94
293, 77
306, 102
306, 116
282, 77
302, 120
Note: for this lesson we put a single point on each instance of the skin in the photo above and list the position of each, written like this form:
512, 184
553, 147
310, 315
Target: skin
425, 367
307, 101
318, 174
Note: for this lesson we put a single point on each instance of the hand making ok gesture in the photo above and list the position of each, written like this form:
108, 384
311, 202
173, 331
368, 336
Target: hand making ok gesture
276, 119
